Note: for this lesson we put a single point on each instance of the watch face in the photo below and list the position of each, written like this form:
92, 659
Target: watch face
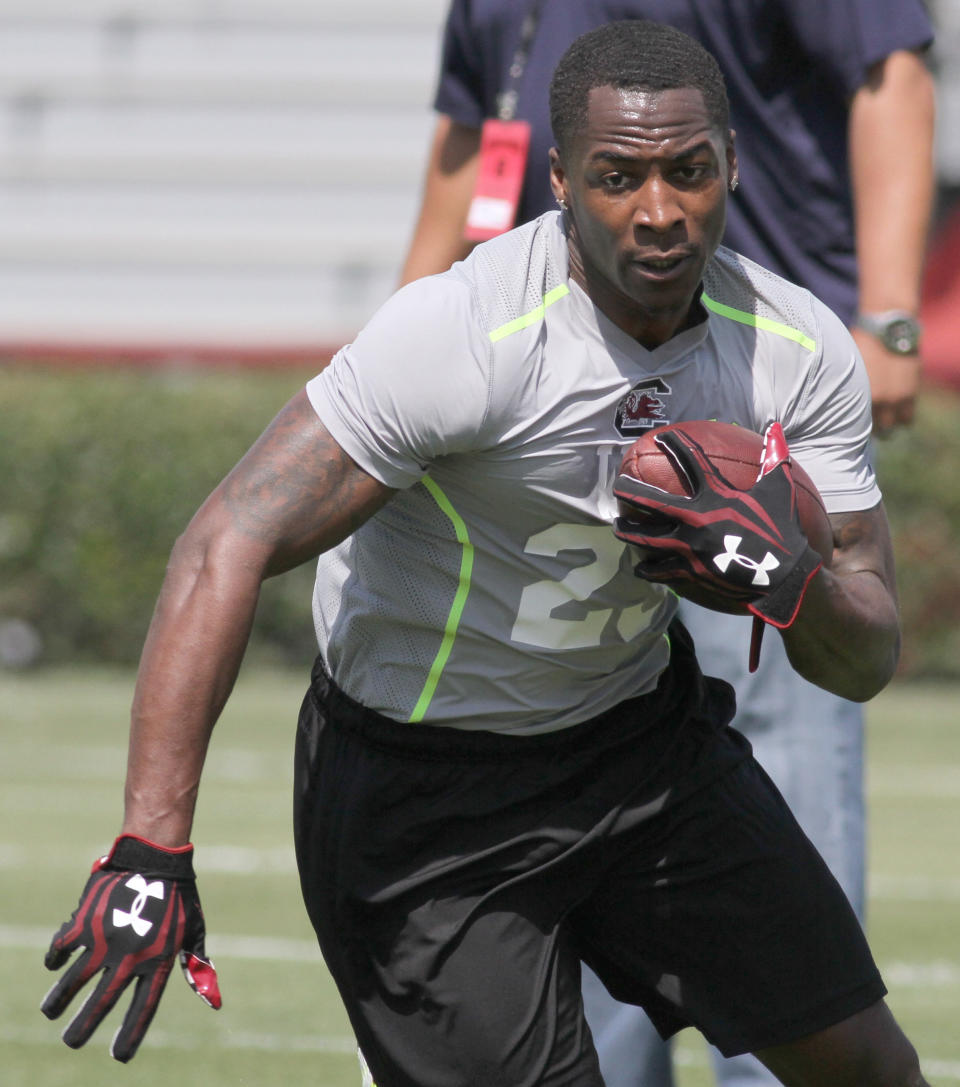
902, 336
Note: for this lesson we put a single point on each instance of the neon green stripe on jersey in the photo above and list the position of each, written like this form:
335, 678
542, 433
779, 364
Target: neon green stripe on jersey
763, 323
456, 608
532, 317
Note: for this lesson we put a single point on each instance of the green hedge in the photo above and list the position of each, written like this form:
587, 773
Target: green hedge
919, 471
100, 471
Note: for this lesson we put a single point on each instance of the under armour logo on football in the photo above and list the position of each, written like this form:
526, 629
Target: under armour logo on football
761, 570
140, 925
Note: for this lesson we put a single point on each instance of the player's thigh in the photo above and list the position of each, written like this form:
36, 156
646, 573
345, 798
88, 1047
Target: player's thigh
502, 1006
866, 1050
444, 936
808, 740
728, 920
461, 993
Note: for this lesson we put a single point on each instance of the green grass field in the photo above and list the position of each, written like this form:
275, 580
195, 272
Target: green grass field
63, 745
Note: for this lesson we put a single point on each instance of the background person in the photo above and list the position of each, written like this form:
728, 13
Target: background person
833, 108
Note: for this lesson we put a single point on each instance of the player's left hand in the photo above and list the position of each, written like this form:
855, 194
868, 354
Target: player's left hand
743, 546
138, 911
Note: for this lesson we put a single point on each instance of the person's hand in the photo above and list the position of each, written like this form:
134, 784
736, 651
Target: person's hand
743, 546
138, 911
894, 382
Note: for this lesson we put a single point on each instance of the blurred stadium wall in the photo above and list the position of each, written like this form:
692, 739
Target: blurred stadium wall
213, 178
236, 180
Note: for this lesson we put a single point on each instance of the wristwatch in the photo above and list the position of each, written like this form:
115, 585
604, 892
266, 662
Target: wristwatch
896, 329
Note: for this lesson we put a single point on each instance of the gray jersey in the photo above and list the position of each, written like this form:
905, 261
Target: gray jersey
490, 592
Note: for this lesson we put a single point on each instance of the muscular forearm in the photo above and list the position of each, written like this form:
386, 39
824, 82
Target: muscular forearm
451, 173
295, 494
190, 660
891, 169
846, 637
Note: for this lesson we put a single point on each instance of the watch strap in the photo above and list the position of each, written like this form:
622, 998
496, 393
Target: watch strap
898, 330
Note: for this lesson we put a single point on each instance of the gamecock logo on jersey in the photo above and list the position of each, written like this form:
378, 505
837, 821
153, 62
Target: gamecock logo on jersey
643, 407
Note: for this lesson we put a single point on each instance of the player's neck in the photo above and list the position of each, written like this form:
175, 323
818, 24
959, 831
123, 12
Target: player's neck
648, 324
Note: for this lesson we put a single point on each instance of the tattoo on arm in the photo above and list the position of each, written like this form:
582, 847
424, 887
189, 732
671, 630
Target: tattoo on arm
296, 490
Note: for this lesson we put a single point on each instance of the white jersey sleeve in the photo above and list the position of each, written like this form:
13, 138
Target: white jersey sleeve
830, 424
414, 385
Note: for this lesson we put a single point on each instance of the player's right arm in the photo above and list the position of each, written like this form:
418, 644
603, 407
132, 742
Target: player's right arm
839, 621
847, 635
295, 494
438, 239
292, 496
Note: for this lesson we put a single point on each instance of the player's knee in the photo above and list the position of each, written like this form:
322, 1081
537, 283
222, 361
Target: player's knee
896, 1067
904, 1064
867, 1050
910, 1074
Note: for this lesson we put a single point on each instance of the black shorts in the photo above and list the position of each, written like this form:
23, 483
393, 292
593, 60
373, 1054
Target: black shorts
456, 879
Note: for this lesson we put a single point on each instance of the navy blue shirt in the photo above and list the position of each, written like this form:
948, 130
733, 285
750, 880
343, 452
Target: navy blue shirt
791, 68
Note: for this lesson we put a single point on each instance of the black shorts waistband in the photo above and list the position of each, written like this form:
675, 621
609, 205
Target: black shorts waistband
680, 688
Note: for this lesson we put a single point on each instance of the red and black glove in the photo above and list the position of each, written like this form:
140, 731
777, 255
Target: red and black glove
138, 911
744, 546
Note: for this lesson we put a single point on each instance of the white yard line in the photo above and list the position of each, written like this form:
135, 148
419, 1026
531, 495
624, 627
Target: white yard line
938, 974
941, 1069
261, 948
914, 888
931, 975
90, 763
345, 1044
696, 1056
239, 860
226, 1039
226, 860
914, 781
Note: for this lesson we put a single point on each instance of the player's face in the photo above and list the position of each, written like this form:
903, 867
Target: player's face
646, 182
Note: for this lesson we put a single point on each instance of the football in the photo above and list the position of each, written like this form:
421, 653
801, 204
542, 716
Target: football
736, 453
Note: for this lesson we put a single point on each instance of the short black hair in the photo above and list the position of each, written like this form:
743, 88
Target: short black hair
632, 54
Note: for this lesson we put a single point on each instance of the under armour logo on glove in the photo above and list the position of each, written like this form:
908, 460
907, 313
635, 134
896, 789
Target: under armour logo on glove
744, 546
140, 942
132, 917
761, 570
